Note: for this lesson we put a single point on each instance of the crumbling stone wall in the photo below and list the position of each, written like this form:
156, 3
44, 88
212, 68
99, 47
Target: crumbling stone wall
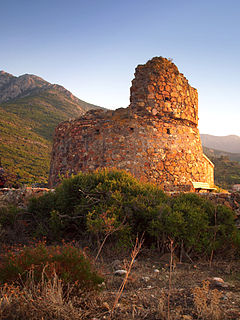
156, 138
20, 197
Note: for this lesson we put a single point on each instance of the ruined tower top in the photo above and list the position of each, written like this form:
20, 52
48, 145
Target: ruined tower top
158, 88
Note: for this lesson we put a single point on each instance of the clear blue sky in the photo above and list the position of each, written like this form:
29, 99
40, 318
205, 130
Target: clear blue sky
92, 47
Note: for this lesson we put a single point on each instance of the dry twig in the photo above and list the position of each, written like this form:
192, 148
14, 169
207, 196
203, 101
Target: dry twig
135, 251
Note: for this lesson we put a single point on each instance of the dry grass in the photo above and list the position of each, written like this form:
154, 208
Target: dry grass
207, 302
48, 299
163, 306
191, 297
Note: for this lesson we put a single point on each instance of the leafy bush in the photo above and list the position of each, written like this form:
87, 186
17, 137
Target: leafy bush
8, 215
193, 212
69, 263
196, 224
86, 198
226, 231
104, 201
42, 206
11, 224
185, 220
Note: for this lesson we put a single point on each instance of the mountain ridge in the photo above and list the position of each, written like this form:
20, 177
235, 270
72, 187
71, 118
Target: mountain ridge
229, 143
12, 87
210, 152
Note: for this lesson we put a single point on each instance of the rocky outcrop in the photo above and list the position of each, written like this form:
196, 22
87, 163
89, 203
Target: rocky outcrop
156, 138
12, 87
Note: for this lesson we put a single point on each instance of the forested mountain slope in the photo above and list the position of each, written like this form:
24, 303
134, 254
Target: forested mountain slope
30, 109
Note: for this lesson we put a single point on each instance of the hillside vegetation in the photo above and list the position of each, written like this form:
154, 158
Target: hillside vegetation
25, 155
44, 111
27, 121
213, 153
226, 171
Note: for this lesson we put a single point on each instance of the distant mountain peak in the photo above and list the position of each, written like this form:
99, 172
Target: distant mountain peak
12, 88
2, 72
32, 76
228, 135
229, 143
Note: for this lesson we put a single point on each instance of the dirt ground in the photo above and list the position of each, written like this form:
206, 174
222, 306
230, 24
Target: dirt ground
190, 291
193, 292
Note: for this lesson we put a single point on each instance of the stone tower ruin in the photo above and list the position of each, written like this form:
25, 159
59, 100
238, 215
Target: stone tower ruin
156, 138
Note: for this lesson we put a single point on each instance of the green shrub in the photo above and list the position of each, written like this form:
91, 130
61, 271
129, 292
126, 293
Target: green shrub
193, 212
226, 230
69, 263
42, 206
105, 200
194, 223
84, 200
184, 220
10, 228
9, 215
47, 223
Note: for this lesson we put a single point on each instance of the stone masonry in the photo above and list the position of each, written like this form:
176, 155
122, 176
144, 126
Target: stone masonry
156, 138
